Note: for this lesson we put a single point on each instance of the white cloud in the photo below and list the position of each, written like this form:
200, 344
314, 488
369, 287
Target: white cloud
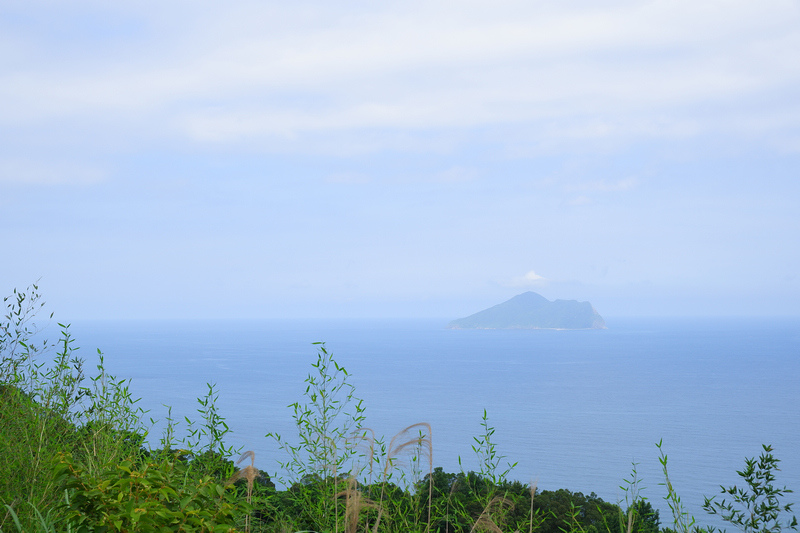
529, 279
532, 276
609, 70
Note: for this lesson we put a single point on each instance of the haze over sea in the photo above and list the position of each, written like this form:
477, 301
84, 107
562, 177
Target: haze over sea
574, 408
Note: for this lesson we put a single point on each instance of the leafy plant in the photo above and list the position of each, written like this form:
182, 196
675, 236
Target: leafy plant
205, 443
49, 409
325, 427
109, 420
151, 496
755, 507
38, 402
639, 516
563, 510
682, 520
488, 457
488, 487
75, 459
325, 424
44, 523
17, 330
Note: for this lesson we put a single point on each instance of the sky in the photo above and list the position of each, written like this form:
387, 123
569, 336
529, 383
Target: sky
400, 159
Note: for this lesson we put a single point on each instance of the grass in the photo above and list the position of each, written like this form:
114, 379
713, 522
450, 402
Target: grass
249, 474
75, 459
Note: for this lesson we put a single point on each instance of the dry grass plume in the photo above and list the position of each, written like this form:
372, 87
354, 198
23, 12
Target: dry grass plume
485, 521
250, 473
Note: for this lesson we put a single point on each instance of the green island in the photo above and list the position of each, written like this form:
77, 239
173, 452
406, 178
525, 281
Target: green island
76, 458
530, 310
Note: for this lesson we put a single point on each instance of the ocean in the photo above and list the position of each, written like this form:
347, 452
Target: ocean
573, 409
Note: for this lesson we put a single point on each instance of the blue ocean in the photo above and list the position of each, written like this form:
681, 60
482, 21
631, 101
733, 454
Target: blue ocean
573, 409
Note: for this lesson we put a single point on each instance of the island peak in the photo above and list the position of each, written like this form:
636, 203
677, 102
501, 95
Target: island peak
531, 310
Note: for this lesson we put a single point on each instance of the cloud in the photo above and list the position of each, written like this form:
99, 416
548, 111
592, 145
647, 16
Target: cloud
608, 70
532, 276
530, 279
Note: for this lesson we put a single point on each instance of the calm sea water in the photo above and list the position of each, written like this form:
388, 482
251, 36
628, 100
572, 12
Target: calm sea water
574, 409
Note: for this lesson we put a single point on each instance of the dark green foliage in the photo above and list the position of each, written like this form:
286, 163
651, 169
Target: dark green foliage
570, 511
328, 427
37, 410
460, 500
639, 516
52, 417
325, 424
148, 496
755, 507
31, 437
75, 459
645, 518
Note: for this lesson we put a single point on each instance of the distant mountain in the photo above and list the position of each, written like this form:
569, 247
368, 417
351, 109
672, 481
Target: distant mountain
533, 311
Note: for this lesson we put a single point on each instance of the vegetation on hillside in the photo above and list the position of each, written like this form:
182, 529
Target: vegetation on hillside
75, 458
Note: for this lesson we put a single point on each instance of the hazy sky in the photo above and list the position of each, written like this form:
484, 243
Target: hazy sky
351, 159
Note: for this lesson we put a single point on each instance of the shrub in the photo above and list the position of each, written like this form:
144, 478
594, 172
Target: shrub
756, 507
151, 496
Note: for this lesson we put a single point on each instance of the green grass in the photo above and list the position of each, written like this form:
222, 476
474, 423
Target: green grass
75, 459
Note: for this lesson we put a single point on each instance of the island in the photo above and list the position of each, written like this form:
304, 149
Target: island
530, 310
